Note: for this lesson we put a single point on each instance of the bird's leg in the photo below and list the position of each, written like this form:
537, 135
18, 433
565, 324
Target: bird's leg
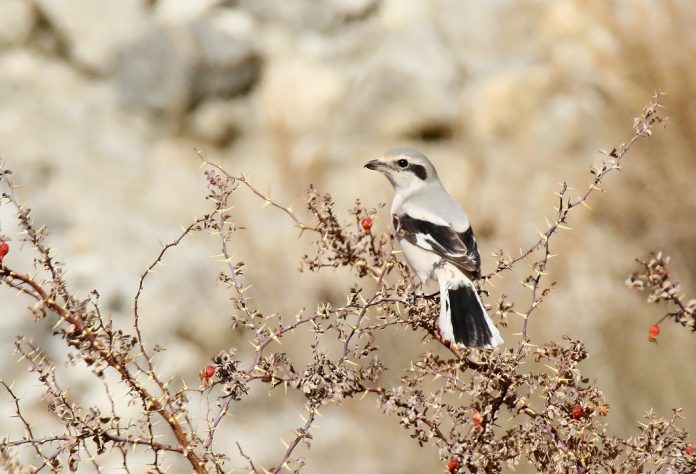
438, 332
416, 294
431, 296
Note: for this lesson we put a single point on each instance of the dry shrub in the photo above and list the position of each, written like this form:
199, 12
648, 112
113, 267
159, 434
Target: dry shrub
485, 410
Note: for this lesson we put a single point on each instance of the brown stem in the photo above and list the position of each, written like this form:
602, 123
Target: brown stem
153, 403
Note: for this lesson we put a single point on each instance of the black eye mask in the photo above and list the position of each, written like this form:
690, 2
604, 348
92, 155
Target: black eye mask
418, 170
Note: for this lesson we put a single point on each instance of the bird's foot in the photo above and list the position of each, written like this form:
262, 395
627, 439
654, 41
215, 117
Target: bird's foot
431, 296
438, 333
415, 294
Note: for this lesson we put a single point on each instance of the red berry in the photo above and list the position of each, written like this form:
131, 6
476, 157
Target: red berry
206, 374
477, 418
366, 224
4, 249
576, 412
689, 449
452, 466
653, 333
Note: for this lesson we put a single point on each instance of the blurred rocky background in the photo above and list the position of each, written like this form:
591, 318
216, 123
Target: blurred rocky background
102, 103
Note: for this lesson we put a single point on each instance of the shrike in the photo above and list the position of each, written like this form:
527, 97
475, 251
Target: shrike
438, 243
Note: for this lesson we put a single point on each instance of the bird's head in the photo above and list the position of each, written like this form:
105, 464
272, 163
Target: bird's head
405, 168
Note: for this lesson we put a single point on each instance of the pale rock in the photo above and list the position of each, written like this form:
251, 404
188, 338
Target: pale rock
497, 103
398, 14
296, 16
172, 70
300, 94
355, 9
17, 19
154, 73
565, 20
236, 23
405, 86
226, 65
219, 121
92, 41
309, 16
173, 12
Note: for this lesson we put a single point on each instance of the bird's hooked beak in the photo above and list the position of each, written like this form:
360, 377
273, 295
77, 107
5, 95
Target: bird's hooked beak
376, 165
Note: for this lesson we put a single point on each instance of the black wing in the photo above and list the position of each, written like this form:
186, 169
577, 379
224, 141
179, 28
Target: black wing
458, 248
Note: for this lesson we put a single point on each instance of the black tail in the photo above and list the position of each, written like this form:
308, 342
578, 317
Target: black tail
469, 319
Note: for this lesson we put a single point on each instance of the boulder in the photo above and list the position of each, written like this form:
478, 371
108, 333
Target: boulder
172, 70
91, 41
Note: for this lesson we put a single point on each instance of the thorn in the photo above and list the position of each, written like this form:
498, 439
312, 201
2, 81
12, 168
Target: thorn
555, 370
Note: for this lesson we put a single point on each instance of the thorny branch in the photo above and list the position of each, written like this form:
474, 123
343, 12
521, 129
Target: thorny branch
302, 435
642, 128
84, 332
195, 225
657, 280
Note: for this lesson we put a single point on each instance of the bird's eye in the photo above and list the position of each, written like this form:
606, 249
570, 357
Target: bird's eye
403, 163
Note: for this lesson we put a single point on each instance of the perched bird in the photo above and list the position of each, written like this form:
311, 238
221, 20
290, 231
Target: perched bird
438, 243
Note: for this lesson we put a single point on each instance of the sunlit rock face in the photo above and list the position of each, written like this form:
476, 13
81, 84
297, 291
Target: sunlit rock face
103, 102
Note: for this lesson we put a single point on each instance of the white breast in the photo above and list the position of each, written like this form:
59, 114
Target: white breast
421, 261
